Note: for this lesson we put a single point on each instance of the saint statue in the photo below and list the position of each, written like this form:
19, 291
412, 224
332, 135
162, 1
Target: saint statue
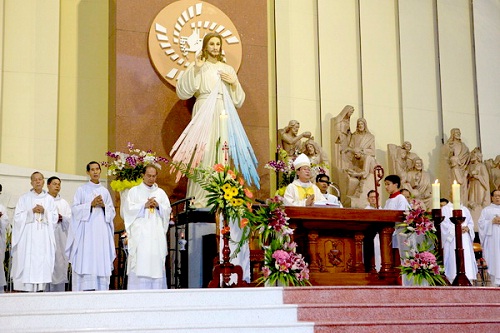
401, 160
318, 158
456, 156
341, 135
493, 167
290, 139
479, 182
360, 156
418, 183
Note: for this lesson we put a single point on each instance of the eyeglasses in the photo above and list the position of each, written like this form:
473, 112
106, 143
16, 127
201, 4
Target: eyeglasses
324, 181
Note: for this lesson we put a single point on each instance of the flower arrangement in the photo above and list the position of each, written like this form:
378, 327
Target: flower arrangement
282, 263
226, 189
283, 167
420, 261
129, 167
418, 221
421, 265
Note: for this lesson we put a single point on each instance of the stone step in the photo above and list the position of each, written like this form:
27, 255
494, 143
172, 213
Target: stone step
370, 312
441, 326
301, 327
163, 317
235, 310
388, 295
102, 300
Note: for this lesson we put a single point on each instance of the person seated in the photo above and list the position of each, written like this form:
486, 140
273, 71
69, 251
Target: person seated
323, 183
302, 192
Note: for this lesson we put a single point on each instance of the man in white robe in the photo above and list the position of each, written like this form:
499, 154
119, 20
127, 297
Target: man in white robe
90, 247
147, 215
489, 235
33, 243
4, 223
449, 244
60, 274
302, 192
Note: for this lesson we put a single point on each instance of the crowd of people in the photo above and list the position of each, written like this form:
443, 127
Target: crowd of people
49, 235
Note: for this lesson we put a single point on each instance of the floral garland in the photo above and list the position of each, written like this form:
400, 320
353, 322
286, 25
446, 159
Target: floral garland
128, 168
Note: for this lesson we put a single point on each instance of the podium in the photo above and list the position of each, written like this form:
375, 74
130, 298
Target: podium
338, 244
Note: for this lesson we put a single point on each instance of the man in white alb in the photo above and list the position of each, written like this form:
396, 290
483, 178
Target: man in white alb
147, 215
91, 246
60, 274
302, 192
489, 234
33, 243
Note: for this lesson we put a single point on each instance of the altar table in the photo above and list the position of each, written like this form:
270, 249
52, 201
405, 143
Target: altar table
338, 244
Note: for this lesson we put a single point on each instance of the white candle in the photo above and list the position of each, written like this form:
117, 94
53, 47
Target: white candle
455, 191
436, 194
223, 135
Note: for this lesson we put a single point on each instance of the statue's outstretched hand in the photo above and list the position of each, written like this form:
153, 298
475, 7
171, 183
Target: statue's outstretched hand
199, 61
228, 78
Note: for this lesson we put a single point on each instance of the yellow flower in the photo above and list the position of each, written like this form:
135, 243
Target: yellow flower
234, 191
226, 187
228, 196
237, 202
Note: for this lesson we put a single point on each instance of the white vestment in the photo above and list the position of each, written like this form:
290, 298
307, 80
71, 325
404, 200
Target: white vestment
60, 275
489, 235
295, 193
4, 222
449, 244
33, 243
91, 247
399, 202
146, 232
332, 200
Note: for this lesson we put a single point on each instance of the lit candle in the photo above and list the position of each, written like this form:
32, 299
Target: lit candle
436, 194
455, 191
223, 135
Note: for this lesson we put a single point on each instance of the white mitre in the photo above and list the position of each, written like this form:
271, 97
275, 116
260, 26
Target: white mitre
300, 161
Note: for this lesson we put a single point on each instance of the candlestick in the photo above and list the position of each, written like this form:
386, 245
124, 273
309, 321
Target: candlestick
436, 194
455, 187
